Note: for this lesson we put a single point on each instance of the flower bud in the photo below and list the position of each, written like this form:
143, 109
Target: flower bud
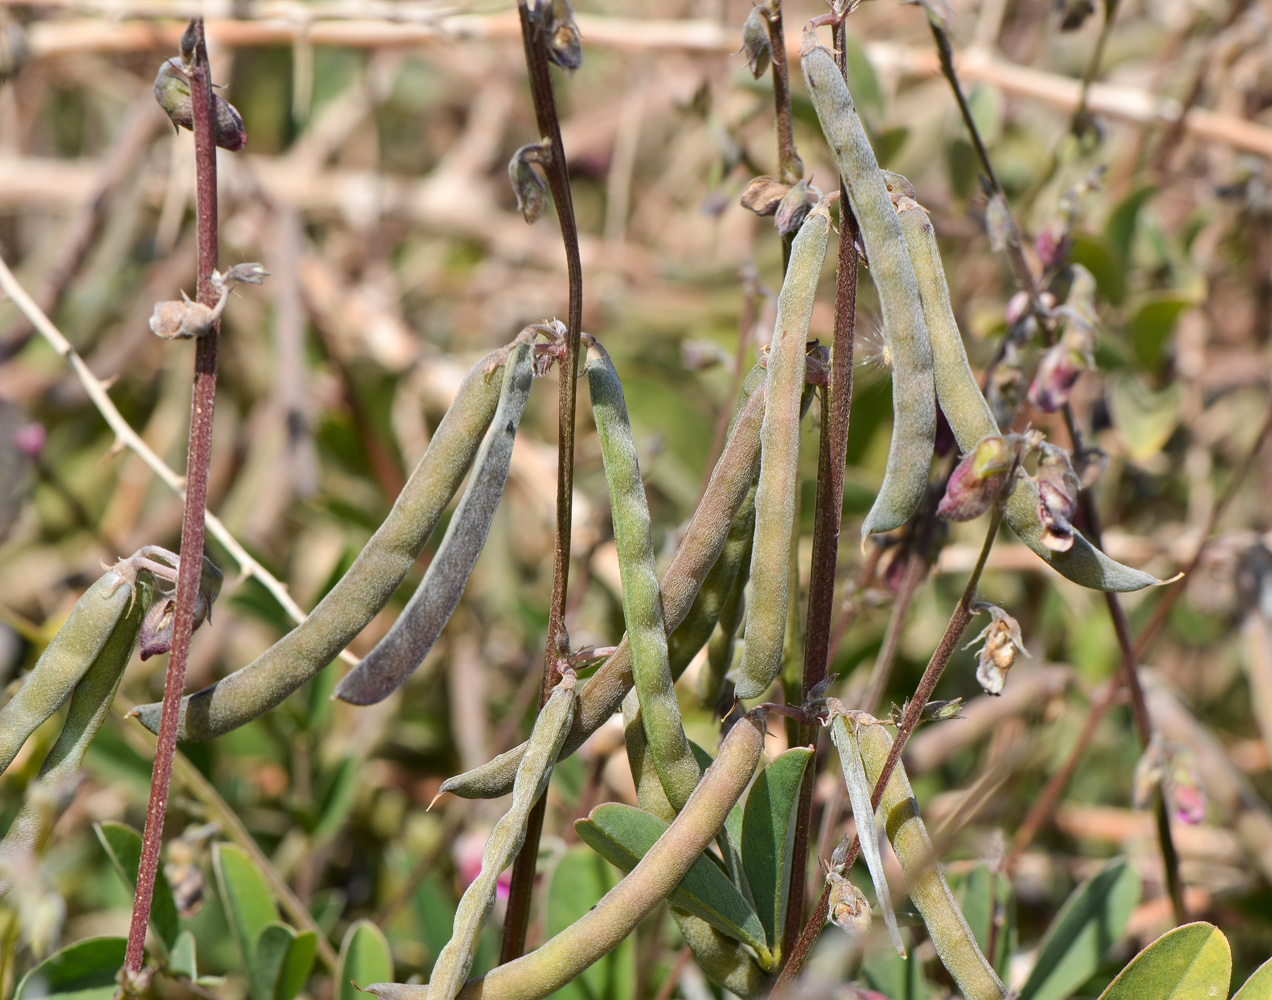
978, 480
1057, 497
159, 624
172, 91
1052, 243
1185, 797
29, 440
1057, 372
1002, 641
527, 185
997, 223
1148, 773
756, 43
564, 46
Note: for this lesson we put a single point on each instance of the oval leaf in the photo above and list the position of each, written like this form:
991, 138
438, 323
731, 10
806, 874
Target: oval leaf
365, 958
1091, 921
1189, 963
123, 845
768, 833
81, 971
248, 903
1258, 986
623, 834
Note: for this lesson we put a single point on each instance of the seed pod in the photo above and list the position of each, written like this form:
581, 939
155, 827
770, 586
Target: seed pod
367, 585
779, 461
955, 944
703, 541
620, 910
402, 650
90, 705
456, 958
844, 734
172, 91
913, 400
971, 419
642, 601
79, 644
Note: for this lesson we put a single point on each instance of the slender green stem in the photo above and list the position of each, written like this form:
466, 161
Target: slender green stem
535, 43
199, 457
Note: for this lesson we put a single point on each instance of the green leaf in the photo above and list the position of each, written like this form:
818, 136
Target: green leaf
1188, 963
1122, 222
249, 907
1146, 419
1258, 986
581, 878
337, 800
123, 847
81, 971
1091, 921
269, 958
984, 895
365, 958
623, 834
297, 965
1152, 324
181, 959
895, 977
768, 834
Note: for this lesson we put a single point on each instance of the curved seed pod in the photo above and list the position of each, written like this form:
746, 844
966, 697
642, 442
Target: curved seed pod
913, 402
843, 733
456, 958
402, 650
90, 704
604, 927
367, 585
955, 945
765, 631
723, 640
67, 658
971, 418
704, 539
642, 600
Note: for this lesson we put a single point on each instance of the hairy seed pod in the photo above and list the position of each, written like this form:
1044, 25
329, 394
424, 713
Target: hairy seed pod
78, 644
913, 400
616, 915
456, 958
765, 630
367, 585
642, 599
955, 944
398, 654
90, 705
844, 734
971, 420
703, 541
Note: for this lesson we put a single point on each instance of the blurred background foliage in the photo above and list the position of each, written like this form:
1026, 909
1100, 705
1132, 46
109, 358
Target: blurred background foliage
374, 188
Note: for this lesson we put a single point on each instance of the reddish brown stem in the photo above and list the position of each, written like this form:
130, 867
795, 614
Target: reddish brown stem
199, 457
790, 170
535, 43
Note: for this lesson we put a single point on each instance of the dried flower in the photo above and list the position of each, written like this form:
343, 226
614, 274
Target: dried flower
756, 43
564, 46
792, 209
1002, 641
764, 194
848, 907
172, 91
1058, 487
1060, 367
527, 185
183, 320
979, 479
998, 224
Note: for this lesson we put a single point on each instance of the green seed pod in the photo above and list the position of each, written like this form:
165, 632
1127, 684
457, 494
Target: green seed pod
913, 401
456, 958
972, 420
620, 910
704, 539
398, 654
79, 644
367, 585
779, 461
90, 705
955, 945
642, 599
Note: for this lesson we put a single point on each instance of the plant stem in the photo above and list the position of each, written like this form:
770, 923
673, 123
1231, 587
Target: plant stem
536, 52
199, 456
836, 402
790, 169
913, 710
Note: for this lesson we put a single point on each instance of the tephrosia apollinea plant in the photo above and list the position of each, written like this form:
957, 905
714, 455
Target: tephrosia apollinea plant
728, 598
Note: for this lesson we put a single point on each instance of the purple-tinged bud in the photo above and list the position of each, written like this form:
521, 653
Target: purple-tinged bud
1182, 788
1052, 243
997, 222
29, 439
1002, 641
756, 43
159, 624
1017, 309
978, 480
1058, 487
172, 91
527, 185
564, 46
792, 210
1058, 370
764, 195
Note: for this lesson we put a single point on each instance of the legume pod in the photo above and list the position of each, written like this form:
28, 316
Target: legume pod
913, 398
368, 584
970, 416
402, 650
